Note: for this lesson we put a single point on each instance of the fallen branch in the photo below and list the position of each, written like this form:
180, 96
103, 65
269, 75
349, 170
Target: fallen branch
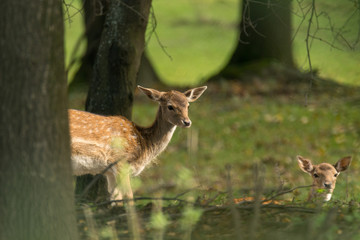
286, 192
142, 198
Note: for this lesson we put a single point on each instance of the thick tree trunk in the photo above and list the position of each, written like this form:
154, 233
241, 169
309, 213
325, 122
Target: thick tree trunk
115, 71
36, 193
265, 34
94, 22
118, 59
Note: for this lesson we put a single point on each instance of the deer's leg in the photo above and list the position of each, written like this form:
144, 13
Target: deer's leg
115, 193
129, 193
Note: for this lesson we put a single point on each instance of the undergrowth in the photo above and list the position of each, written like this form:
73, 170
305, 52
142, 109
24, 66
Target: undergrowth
244, 144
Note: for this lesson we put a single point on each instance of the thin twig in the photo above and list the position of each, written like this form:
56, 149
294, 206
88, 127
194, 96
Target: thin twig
267, 206
308, 51
323, 40
143, 198
286, 192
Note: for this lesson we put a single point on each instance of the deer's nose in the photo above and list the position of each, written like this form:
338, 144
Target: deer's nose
327, 185
186, 123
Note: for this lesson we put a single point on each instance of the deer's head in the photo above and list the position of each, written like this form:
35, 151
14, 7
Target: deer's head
174, 105
324, 175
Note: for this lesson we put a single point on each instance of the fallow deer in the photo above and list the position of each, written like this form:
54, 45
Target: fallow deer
100, 141
324, 176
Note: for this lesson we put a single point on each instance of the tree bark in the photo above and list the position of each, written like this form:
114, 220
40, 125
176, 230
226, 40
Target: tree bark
264, 34
37, 200
115, 71
94, 17
118, 58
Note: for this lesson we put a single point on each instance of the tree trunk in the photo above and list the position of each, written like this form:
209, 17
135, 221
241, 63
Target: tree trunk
265, 34
115, 71
118, 59
94, 23
37, 200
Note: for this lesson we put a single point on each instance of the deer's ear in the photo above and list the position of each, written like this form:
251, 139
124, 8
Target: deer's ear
153, 94
342, 164
305, 164
193, 94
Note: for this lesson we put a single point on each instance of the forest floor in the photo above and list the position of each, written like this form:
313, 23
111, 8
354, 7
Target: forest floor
243, 143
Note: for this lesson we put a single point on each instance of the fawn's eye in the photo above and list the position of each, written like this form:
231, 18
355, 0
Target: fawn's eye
171, 108
336, 174
315, 175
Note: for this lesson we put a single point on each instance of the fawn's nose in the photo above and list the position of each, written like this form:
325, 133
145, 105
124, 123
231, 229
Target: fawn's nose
187, 123
327, 185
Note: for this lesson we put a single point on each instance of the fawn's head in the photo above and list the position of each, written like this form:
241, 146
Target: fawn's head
324, 175
174, 105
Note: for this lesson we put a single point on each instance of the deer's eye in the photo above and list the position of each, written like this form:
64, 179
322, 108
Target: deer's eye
336, 174
315, 175
171, 108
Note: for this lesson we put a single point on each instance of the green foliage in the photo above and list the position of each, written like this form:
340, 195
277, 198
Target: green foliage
190, 217
158, 221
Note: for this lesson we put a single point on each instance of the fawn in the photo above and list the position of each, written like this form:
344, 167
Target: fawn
324, 176
98, 142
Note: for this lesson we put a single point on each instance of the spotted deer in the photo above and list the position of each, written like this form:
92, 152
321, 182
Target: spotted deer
324, 176
98, 142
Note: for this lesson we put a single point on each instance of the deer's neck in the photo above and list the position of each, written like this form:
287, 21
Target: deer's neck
157, 136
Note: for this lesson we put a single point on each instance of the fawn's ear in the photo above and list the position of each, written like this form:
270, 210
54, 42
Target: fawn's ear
153, 94
305, 164
342, 164
193, 94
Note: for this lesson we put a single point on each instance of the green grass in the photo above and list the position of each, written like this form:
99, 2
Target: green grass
270, 131
198, 35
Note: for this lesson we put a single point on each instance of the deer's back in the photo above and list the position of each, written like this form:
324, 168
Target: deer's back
97, 141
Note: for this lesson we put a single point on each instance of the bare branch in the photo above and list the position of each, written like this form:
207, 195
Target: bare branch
153, 32
323, 40
286, 192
